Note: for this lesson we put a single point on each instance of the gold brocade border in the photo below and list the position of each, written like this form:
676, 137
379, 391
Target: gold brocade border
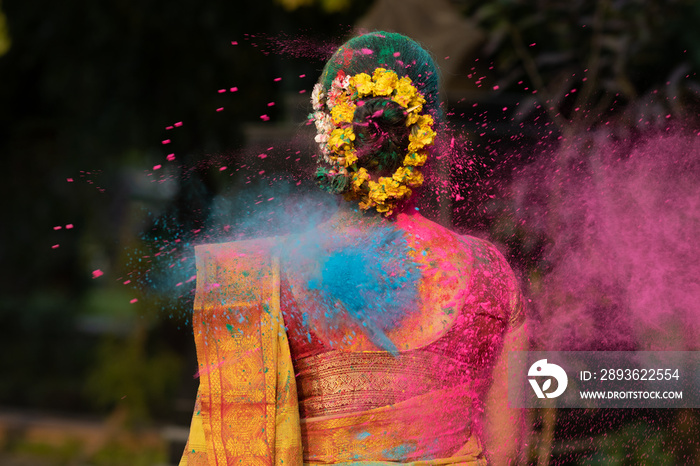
337, 382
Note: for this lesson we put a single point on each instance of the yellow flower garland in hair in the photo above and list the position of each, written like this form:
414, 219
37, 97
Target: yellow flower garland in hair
336, 137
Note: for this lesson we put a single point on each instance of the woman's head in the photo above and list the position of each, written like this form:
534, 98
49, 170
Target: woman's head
365, 53
374, 108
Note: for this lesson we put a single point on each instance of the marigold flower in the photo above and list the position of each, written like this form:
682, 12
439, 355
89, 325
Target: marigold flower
376, 192
343, 113
405, 92
386, 209
359, 177
416, 159
425, 121
385, 81
418, 99
350, 157
413, 116
387, 188
363, 84
420, 137
409, 176
341, 137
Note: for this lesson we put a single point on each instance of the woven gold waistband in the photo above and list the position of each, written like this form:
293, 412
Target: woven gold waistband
339, 382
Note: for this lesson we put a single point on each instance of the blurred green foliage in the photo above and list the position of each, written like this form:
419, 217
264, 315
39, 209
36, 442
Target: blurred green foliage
329, 6
5, 41
636, 59
113, 453
126, 373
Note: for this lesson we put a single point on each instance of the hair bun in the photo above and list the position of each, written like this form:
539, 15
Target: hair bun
381, 135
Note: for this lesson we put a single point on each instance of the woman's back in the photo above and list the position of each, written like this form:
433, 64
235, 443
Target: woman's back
420, 375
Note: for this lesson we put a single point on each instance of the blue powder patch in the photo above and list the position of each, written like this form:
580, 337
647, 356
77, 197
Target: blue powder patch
400, 452
373, 280
363, 435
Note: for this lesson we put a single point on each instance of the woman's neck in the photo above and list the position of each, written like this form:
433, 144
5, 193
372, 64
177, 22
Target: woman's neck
350, 216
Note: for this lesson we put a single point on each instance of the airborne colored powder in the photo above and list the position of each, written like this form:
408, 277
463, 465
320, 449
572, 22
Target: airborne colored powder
623, 221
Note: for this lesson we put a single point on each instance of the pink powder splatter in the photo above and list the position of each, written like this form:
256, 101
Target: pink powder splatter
367, 51
97, 273
70, 180
58, 227
234, 89
495, 88
221, 91
277, 79
167, 128
264, 117
623, 258
397, 54
270, 104
233, 42
223, 168
220, 109
69, 226
302, 91
55, 246
157, 167
178, 124
302, 75
262, 156
170, 157
166, 141
133, 301
127, 282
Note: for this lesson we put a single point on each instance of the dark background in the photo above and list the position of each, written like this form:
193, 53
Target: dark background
86, 92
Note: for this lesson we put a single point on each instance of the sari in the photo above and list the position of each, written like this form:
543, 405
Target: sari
274, 391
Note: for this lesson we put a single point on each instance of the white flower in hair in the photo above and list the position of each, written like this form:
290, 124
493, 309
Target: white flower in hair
317, 96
